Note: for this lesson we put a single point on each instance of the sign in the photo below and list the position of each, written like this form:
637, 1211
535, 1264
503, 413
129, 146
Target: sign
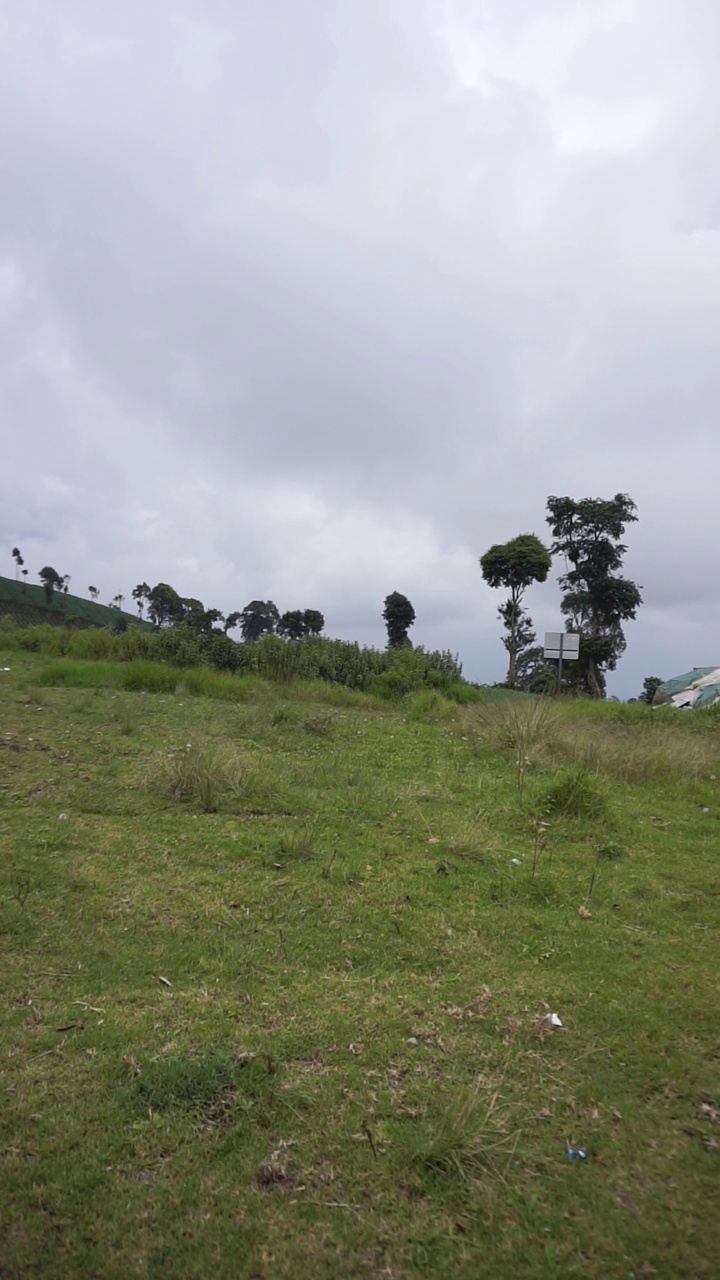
562, 644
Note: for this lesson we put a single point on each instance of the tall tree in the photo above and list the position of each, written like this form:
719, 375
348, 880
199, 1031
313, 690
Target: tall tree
292, 625
597, 598
399, 616
51, 581
19, 562
94, 592
515, 566
140, 594
232, 621
259, 618
164, 605
314, 621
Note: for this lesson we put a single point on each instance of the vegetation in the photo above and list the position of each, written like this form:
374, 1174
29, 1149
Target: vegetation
399, 616
279, 960
27, 604
515, 566
651, 684
597, 599
258, 619
390, 674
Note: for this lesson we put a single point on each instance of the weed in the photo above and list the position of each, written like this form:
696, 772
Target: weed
468, 1138
297, 842
575, 794
201, 775
521, 724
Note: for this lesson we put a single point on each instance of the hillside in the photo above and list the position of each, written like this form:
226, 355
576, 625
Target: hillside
25, 604
278, 967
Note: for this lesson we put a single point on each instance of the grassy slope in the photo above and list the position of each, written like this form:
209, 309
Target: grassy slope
26, 603
266, 1115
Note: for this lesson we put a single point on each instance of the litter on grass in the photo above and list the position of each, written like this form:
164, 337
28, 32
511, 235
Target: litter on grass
554, 1020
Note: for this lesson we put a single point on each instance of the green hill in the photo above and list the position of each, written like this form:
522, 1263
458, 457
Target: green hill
25, 604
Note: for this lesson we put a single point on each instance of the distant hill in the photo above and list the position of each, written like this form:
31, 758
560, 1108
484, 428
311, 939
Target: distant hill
25, 604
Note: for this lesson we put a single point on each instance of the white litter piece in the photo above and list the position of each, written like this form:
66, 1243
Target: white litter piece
554, 1020
4, 668
516, 862
412, 1040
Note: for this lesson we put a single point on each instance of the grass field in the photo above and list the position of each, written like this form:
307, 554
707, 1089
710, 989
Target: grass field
276, 971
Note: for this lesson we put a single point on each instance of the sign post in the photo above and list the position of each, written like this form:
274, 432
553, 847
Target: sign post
562, 645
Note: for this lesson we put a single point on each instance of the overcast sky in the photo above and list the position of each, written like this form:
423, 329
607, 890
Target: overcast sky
314, 300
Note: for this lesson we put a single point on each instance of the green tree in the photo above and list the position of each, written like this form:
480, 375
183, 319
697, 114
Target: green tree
399, 616
19, 562
140, 594
51, 581
292, 625
94, 593
314, 621
164, 605
597, 599
651, 684
232, 621
259, 618
515, 566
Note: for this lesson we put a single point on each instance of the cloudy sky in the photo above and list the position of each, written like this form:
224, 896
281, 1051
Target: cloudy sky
316, 300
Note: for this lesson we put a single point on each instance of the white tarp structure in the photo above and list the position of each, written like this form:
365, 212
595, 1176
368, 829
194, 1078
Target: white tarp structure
697, 688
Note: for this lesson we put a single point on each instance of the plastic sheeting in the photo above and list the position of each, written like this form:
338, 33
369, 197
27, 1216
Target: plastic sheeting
697, 688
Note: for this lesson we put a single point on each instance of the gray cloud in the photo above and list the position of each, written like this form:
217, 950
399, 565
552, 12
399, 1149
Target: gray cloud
317, 301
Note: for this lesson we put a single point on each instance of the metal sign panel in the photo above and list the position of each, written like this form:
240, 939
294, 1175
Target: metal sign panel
562, 644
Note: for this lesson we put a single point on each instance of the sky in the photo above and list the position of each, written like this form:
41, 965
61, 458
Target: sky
314, 302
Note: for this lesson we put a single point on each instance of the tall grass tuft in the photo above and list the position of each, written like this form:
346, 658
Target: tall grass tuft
466, 1140
201, 775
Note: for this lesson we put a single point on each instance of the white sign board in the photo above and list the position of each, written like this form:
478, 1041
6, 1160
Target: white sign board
562, 644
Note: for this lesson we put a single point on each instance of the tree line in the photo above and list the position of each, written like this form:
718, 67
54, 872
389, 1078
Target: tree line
165, 607
596, 598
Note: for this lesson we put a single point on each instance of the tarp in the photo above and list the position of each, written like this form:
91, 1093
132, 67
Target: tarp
697, 688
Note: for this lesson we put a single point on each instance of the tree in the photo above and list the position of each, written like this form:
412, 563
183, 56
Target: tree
259, 618
94, 593
164, 605
19, 562
399, 616
515, 565
651, 684
292, 625
197, 616
66, 583
140, 594
597, 599
314, 621
117, 601
51, 581
232, 621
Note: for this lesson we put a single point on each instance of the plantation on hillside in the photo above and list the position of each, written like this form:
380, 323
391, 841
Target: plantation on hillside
279, 960
26, 604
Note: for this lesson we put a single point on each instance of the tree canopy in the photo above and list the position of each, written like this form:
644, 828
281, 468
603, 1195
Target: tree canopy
399, 616
259, 618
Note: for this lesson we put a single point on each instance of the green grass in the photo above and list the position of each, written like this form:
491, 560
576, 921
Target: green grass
276, 965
